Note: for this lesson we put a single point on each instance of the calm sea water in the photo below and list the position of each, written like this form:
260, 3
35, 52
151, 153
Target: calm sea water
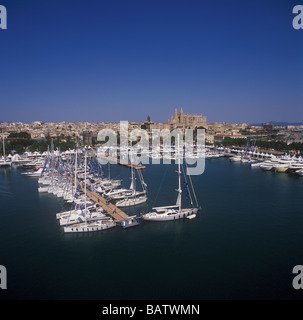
243, 245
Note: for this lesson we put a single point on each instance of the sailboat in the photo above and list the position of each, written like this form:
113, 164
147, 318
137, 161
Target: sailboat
173, 212
132, 197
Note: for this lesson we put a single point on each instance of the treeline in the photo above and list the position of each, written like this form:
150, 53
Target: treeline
17, 142
20, 142
278, 145
43, 145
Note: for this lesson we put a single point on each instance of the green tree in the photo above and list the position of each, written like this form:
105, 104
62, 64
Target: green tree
239, 142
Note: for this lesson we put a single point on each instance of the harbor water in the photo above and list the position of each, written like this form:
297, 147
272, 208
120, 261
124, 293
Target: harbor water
243, 244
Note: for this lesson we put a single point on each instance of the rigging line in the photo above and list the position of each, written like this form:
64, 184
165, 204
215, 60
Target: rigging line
189, 193
140, 177
143, 184
191, 183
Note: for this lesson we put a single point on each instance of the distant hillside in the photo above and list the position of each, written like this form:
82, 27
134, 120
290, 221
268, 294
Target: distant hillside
279, 123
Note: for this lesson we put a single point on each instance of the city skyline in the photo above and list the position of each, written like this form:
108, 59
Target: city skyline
96, 61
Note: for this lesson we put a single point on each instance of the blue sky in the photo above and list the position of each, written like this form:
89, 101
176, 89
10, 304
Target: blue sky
75, 60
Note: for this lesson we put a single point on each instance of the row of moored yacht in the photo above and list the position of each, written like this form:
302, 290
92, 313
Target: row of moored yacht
286, 163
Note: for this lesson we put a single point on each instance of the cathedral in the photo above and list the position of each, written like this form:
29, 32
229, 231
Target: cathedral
187, 121
179, 120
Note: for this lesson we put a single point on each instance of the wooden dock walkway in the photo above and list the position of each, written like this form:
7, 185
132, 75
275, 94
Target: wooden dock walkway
115, 212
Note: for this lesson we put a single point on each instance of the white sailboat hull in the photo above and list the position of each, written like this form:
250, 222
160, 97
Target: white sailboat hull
89, 227
43, 189
169, 215
256, 164
266, 167
235, 159
4, 163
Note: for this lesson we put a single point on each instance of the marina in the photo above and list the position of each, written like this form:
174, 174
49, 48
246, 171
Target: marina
98, 202
81, 182
255, 225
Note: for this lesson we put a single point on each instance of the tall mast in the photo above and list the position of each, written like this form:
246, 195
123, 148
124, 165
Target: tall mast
85, 185
179, 178
132, 185
53, 163
76, 164
3, 145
